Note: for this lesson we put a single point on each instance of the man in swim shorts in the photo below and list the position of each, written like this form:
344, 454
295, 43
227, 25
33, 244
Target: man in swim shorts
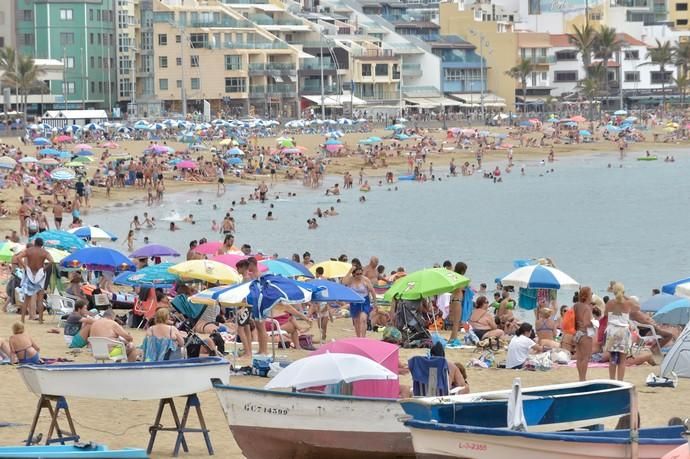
32, 261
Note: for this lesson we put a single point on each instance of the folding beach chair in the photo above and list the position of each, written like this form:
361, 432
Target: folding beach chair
192, 312
145, 309
649, 338
429, 376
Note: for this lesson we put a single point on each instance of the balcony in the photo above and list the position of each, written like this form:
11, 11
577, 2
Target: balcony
540, 60
411, 70
284, 90
267, 21
272, 68
311, 87
245, 2
373, 53
315, 64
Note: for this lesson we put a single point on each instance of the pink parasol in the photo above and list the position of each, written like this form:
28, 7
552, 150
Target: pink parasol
579, 119
187, 164
63, 138
380, 352
231, 260
334, 147
82, 146
109, 145
208, 248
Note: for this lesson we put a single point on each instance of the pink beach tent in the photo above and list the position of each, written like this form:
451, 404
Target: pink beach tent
231, 260
380, 352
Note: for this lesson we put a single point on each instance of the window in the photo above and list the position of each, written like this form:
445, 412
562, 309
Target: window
235, 85
198, 40
68, 87
194, 61
163, 84
630, 77
66, 15
163, 62
178, 84
162, 39
91, 38
66, 38
100, 62
178, 61
90, 14
366, 69
178, 38
462, 74
544, 76
233, 62
93, 86
381, 69
681, 22
567, 55
196, 83
681, 6
563, 77
92, 62
98, 15
100, 86
631, 55
28, 15
595, 16
28, 39
660, 77
69, 62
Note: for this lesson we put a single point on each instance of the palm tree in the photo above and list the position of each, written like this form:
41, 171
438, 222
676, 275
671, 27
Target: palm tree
682, 83
589, 88
520, 72
23, 75
606, 45
661, 55
584, 39
681, 56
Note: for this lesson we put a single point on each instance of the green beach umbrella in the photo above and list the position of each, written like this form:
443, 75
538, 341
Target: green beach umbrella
426, 283
83, 159
8, 250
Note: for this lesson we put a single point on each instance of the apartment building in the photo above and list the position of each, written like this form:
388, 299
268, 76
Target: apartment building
7, 20
128, 29
678, 14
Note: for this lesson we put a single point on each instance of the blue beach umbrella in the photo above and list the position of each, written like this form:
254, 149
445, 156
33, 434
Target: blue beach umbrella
402, 136
281, 269
333, 141
365, 142
299, 266
42, 141
151, 276
235, 152
93, 233
234, 160
60, 240
332, 291
73, 129
612, 128
100, 259
49, 152
84, 153
154, 250
92, 127
662, 300
538, 276
585, 133
676, 313
670, 288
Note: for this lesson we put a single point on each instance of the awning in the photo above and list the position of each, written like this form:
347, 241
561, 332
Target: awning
337, 100
422, 102
278, 79
475, 98
328, 101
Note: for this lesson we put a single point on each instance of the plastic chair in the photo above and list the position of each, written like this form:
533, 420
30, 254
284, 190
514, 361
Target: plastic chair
59, 305
651, 337
102, 349
429, 376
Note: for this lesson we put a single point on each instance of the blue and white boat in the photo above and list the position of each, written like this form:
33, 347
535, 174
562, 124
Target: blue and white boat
546, 408
433, 440
88, 450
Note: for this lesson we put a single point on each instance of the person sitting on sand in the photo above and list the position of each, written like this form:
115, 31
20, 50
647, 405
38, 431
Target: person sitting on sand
23, 349
546, 329
78, 325
457, 374
284, 315
521, 346
483, 322
106, 327
162, 341
505, 314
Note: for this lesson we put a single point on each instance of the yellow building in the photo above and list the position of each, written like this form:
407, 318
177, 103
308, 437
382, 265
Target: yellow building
209, 51
500, 47
678, 14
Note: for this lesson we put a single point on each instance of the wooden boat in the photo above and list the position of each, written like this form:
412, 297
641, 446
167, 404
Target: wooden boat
87, 450
433, 440
286, 425
546, 408
126, 381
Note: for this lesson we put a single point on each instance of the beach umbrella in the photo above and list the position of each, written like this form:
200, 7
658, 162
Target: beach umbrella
332, 269
333, 141
675, 313
109, 145
235, 152
98, 259
539, 276
365, 142
84, 153
60, 240
669, 129
93, 127
123, 130
579, 119
525, 124
402, 136
333, 148
226, 142
327, 291
671, 287
92, 233
8, 249
28, 159
585, 133
375, 139
395, 127
82, 146
426, 283
158, 149
657, 302
141, 124
620, 112
73, 129
280, 269
48, 162
154, 250
41, 141
74, 164
49, 152
7, 163
231, 259
208, 248
329, 368
187, 164
299, 266
234, 160
206, 270
83, 160
151, 276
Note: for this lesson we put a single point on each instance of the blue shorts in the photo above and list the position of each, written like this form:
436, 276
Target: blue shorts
357, 308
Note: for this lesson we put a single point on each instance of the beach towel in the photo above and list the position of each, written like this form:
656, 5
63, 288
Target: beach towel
158, 349
32, 283
467, 304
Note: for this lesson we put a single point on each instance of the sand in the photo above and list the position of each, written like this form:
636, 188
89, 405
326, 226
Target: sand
125, 424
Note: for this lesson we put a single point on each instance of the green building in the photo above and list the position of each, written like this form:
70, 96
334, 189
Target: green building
82, 34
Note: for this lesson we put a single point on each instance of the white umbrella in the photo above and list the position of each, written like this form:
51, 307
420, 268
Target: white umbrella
328, 368
539, 276
516, 416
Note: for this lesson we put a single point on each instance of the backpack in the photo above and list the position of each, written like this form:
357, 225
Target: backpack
568, 322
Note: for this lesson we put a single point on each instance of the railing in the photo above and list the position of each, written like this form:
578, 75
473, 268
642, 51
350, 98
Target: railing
285, 90
541, 59
382, 95
262, 20
313, 44
271, 67
222, 23
253, 45
315, 64
310, 87
372, 52
411, 69
246, 2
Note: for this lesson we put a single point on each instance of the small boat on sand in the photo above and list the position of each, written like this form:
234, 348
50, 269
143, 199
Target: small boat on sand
433, 440
285, 425
546, 408
86, 450
126, 381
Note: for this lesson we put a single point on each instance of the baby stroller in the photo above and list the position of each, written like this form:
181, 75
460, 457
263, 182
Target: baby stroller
191, 313
410, 322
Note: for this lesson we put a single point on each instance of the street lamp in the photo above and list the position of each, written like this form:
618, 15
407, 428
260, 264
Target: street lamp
482, 42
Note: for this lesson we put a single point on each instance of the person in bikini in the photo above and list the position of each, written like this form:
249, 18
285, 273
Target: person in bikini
584, 334
32, 261
482, 321
23, 349
546, 329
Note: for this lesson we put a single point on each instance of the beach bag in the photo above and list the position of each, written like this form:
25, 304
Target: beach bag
392, 335
194, 344
305, 342
568, 323
560, 356
539, 362
261, 365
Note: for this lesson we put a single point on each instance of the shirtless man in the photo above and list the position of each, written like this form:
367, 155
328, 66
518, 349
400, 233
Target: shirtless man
23, 213
370, 271
58, 209
192, 254
584, 335
228, 245
32, 261
263, 189
106, 327
228, 226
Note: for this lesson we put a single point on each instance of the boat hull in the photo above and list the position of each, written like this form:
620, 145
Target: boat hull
286, 425
434, 441
546, 408
126, 381
69, 451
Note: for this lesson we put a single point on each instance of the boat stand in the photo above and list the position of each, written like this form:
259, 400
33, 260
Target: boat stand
180, 426
46, 402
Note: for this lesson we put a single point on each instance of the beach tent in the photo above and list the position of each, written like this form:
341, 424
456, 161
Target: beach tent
678, 358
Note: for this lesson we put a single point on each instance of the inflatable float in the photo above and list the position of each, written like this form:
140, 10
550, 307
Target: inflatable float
647, 158
406, 177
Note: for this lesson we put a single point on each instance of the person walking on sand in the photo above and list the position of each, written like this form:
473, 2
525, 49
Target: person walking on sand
584, 334
58, 209
32, 261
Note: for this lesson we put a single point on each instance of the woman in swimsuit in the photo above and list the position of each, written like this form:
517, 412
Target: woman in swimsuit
22, 347
584, 331
482, 321
360, 311
618, 334
546, 329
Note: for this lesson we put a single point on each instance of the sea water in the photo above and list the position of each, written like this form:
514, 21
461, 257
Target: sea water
627, 222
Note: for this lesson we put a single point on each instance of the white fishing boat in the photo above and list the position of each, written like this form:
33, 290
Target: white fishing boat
434, 440
126, 381
285, 425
